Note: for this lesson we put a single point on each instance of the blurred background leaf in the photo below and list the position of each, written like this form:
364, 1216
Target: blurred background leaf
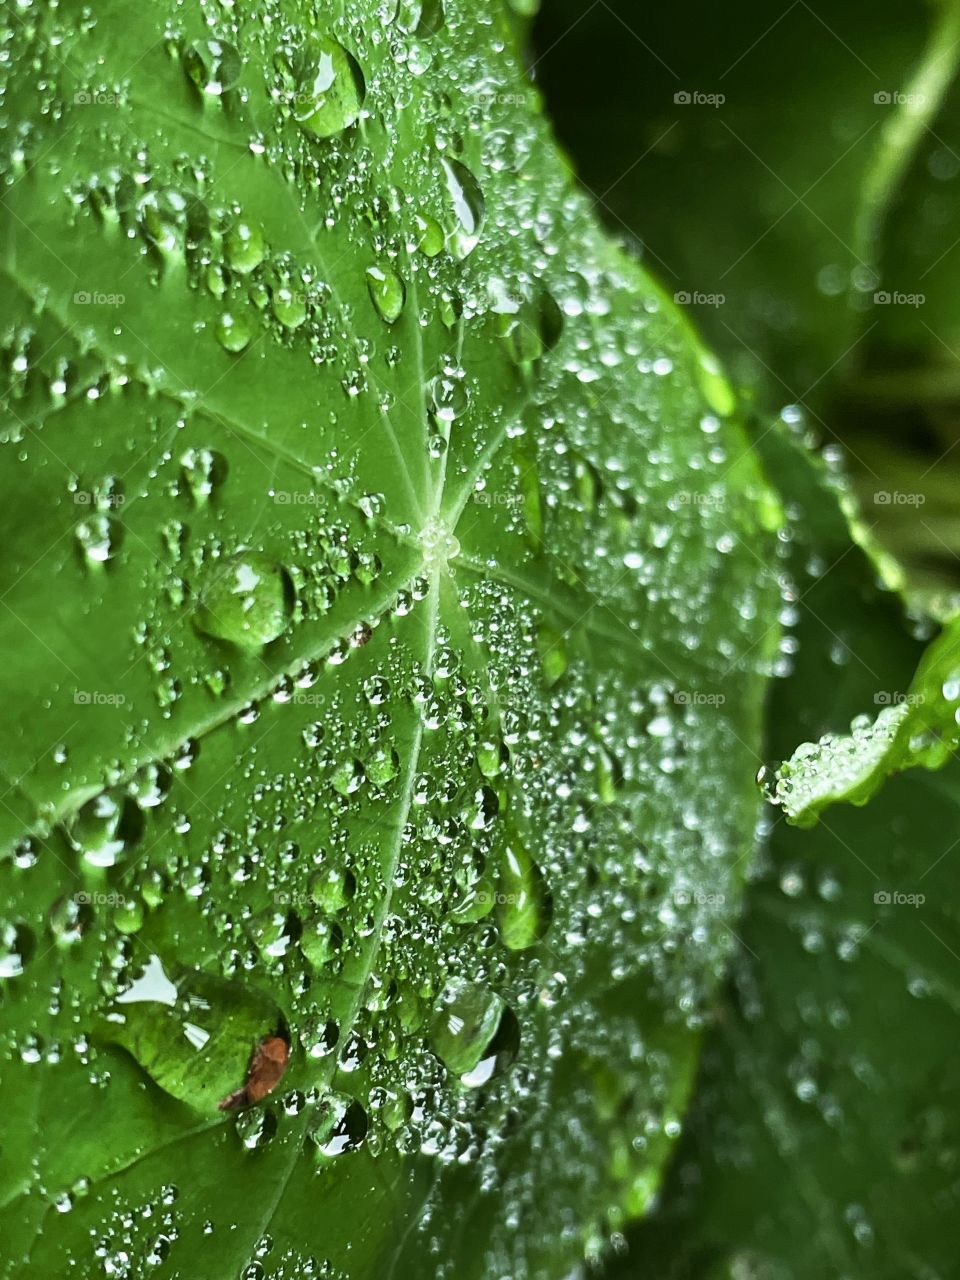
791, 174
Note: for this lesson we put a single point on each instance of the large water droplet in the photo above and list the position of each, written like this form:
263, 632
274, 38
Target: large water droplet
474, 1033
202, 471
213, 65
468, 206
197, 1036
244, 247
321, 940
332, 887
98, 538
340, 1126
289, 307
524, 902
234, 330
17, 945
421, 18
249, 602
530, 325
330, 91
105, 827
387, 291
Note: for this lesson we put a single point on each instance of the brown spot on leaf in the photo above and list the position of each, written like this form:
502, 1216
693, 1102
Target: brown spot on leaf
266, 1069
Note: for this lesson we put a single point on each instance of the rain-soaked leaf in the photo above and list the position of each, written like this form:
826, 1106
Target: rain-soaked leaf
823, 1139
385, 627
919, 726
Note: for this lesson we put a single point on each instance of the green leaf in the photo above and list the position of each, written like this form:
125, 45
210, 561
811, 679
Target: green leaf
824, 1131
919, 727
385, 641
799, 160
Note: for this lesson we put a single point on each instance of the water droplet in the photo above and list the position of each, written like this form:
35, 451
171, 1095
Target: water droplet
332, 888
530, 326
249, 602
468, 206
274, 932
98, 538
321, 940
387, 291
213, 65
234, 331
320, 1037
340, 1126
474, 1032
429, 238
382, 766
290, 308
128, 917
448, 397
105, 827
330, 91
255, 1128
244, 247
203, 470
69, 919
17, 945
524, 902
420, 18
195, 1035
